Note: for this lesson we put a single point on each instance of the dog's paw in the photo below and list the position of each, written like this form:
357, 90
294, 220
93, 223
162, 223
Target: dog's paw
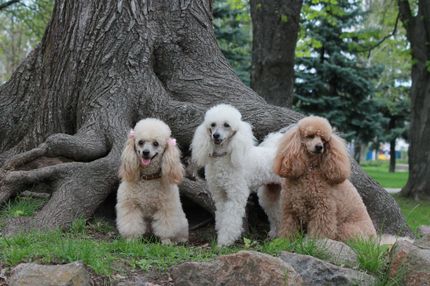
272, 233
166, 241
224, 240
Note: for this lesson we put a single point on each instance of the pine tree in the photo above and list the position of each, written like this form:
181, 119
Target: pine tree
331, 81
232, 25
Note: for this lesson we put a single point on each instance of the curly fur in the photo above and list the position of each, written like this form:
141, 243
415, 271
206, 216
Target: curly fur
235, 166
156, 202
317, 196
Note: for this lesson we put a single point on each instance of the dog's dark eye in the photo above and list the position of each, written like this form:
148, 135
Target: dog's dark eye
155, 143
213, 124
226, 125
141, 142
310, 136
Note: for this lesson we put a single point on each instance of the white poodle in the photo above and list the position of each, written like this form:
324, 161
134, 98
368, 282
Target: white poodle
148, 194
225, 145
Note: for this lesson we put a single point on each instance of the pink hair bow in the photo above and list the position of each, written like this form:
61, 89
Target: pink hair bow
171, 141
131, 134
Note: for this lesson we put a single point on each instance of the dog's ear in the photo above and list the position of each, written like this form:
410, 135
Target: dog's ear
201, 146
129, 169
290, 160
240, 144
172, 169
336, 165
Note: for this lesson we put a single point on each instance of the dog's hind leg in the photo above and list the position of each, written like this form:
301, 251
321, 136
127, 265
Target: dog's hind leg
363, 229
129, 220
269, 199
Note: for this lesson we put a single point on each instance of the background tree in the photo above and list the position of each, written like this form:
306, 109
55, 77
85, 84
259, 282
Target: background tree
389, 47
232, 25
275, 27
77, 94
416, 21
331, 80
21, 27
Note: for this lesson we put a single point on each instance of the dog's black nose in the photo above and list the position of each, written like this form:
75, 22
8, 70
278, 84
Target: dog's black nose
216, 135
145, 153
318, 147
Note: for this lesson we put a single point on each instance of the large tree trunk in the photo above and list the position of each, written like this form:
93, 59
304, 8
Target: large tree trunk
392, 167
418, 33
275, 28
102, 66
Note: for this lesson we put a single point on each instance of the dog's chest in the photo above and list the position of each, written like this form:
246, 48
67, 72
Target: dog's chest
306, 192
150, 195
222, 174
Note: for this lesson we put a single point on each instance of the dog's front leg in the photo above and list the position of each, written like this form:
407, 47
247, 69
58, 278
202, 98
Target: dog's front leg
129, 220
323, 221
230, 224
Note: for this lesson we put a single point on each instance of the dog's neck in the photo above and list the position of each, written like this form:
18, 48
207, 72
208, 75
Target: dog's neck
218, 151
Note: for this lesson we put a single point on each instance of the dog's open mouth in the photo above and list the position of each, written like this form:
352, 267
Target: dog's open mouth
144, 162
218, 141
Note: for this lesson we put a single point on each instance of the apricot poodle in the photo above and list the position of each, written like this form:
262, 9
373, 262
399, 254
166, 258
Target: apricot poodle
148, 196
317, 196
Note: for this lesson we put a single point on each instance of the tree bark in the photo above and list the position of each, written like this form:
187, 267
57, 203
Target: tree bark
275, 28
418, 34
392, 167
391, 126
100, 68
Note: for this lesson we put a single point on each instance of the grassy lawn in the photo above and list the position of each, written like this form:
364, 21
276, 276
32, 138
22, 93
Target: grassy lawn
416, 213
379, 171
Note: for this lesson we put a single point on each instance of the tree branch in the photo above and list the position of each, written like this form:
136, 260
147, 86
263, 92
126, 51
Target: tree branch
385, 37
7, 4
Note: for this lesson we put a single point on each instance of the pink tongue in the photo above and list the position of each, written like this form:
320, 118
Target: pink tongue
145, 162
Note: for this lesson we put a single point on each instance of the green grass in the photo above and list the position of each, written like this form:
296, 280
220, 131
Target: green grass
379, 171
101, 256
21, 206
371, 256
299, 245
415, 213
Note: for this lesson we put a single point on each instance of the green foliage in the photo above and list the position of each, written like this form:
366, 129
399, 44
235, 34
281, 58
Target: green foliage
232, 25
393, 83
379, 172
22, 26
331, 81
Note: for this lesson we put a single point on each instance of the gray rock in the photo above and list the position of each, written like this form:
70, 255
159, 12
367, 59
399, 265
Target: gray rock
410, 262
31, 274
338, 253
424, 229
242, 268
318, 272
